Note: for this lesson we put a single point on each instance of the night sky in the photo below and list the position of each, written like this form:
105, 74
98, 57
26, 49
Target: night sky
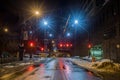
10, 10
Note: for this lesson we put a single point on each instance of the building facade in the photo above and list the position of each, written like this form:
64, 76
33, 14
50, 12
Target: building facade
106, 29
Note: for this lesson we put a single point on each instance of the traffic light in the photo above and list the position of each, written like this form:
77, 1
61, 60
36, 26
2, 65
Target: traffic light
67, 45
89, 46
70, 45
31, 44
61, 45
42, 49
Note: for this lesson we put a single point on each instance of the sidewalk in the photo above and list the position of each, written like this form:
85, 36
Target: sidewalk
104, 74
87, 65
9, 69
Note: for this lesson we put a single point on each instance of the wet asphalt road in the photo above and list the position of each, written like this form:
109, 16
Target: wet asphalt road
57, 69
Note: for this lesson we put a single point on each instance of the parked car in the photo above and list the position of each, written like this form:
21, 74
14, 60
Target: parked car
26, 57
35, 58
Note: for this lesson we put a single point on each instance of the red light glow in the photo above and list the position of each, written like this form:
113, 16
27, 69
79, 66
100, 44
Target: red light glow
67, 45
30, 68
31, 44
42, 49
70, 45
42, 65
61, 45
89, 46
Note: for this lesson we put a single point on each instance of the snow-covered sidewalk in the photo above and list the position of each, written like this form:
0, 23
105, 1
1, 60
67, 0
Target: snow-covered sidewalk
8, 69
16, 68
86, 64
103, 68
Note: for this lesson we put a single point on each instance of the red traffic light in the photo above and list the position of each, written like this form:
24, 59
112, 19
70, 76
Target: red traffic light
67, 45
31, 44
42, 49
61, 45
89, 45
70, 45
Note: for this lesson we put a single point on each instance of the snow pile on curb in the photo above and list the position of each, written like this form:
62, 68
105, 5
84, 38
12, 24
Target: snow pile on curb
82, 63
106, 66
101, 66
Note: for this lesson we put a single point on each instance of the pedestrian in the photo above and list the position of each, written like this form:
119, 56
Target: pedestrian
21, 51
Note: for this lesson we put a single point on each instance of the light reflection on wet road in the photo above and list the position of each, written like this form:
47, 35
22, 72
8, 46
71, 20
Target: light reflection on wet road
57, 69
74, 72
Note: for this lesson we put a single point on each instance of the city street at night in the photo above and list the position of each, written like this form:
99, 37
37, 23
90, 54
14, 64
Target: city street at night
57, 69
59, 39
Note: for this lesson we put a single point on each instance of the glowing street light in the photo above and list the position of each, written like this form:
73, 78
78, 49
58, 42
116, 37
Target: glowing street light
68, 34
76, 21
6, 29
79, 22
50, 35
37, 12
45, 23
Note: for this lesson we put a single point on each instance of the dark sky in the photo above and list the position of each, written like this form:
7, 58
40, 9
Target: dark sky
60, 9
10, 8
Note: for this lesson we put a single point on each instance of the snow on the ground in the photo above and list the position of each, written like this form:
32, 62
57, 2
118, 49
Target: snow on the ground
103, 65
106, 60
9, 66
82, 63
87, 58
106, 65
22, 64
16, 64
44, 72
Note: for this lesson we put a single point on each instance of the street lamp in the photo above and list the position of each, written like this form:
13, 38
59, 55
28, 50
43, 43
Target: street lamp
45, 23
6, 29
68, 34
45, 34
37, 16
50, 35
77, 22
37, 12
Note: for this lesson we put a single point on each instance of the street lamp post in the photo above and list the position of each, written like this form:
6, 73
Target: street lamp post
76, 22
88, 36
75, 40
37, 16
45, 35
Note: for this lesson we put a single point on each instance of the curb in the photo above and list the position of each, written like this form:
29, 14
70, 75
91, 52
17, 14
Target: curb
93, 71
11, 74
